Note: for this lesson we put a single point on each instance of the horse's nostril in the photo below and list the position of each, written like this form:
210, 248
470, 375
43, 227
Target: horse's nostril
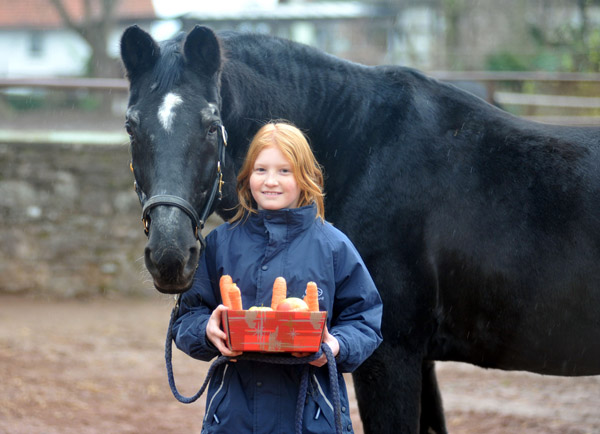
150, 263
192, 260
164, 263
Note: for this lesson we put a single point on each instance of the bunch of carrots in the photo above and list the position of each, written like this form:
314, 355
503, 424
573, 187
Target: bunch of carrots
232, 297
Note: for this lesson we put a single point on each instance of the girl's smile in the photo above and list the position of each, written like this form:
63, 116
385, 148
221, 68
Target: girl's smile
272, 182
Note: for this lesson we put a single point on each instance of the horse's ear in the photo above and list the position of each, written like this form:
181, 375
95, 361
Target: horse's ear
202, 51
139, 51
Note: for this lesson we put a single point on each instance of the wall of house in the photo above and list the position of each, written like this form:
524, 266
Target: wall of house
35, 53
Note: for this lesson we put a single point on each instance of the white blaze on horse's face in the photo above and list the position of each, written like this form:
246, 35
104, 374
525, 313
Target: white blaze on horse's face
166, 111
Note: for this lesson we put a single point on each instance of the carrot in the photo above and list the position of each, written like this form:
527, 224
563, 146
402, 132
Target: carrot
279, 292
235, 297
224, 284
312, 296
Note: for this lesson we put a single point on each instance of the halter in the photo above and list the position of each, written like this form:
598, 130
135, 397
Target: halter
198, 221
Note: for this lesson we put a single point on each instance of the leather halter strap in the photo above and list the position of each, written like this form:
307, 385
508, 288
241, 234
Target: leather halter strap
170, 200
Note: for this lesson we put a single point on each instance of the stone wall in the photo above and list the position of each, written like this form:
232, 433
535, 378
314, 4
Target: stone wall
70, 222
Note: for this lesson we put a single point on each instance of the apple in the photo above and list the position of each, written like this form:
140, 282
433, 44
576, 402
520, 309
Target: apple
260, 308
292, 304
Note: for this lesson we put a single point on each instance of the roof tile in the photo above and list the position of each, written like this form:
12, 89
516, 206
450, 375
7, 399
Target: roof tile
42, 14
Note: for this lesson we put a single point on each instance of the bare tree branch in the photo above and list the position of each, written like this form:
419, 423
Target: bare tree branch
88, 12
93, 26
64, 15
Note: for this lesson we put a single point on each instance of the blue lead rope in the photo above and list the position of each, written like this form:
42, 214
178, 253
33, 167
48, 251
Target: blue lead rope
263, 358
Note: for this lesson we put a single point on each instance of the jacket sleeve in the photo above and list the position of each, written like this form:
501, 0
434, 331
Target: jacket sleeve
196, 306
357, 309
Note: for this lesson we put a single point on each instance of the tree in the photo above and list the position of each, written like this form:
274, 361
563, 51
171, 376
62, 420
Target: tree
98, 17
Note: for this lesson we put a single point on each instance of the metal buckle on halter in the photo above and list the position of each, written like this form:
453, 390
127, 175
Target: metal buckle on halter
221, 182
224, 134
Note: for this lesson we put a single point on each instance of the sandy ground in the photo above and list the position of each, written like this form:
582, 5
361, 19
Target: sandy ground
97, 366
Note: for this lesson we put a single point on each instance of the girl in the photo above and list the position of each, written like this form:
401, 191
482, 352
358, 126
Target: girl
279, 230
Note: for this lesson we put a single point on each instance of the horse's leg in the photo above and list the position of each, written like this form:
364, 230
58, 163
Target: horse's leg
432, 410
389, 385
388, 391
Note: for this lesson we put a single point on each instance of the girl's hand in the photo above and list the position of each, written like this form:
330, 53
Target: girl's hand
216, 335
330, 340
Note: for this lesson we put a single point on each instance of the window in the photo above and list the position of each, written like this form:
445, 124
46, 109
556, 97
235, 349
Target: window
36, 44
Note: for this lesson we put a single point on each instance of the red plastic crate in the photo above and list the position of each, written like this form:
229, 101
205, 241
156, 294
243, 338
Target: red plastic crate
273, 331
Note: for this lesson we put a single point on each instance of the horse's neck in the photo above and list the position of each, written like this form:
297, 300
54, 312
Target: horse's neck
314, 91
326, 97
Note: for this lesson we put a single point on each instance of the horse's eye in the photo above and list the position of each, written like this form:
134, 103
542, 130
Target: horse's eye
213, 129
129, 129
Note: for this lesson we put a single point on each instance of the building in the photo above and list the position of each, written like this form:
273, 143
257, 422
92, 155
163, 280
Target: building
353, 30
35, 42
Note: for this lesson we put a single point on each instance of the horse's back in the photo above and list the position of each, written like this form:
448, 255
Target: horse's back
487, 223
501, 219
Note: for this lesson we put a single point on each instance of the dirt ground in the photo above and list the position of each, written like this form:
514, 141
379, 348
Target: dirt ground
97, 366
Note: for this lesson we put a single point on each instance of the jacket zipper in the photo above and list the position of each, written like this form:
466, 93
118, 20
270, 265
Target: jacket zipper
322, 393
215, 395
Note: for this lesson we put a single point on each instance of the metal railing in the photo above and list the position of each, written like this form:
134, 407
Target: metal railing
64, 83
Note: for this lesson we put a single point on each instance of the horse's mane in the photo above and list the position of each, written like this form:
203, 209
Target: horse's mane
258, 50
169, 67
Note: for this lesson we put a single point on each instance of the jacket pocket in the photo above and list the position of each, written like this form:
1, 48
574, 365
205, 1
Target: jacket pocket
317, 418
215, 399
325, 410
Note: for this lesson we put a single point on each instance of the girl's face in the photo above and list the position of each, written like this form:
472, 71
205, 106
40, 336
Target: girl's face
272, 182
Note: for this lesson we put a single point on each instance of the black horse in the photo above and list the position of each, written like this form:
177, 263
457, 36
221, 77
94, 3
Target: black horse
481, 230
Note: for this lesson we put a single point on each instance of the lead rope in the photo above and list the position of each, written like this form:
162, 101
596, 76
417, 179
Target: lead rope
256, 357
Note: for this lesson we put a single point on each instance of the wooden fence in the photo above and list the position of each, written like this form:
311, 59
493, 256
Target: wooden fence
574, 97
564, 98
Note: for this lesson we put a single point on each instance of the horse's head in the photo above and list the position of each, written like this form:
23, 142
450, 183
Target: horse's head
177, 145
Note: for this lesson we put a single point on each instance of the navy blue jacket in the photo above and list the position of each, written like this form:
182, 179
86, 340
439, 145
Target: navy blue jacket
251, 397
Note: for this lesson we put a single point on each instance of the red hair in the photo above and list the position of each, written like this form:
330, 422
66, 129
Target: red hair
296, 149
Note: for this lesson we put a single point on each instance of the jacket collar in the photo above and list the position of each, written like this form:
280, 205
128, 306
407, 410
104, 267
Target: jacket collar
295, 219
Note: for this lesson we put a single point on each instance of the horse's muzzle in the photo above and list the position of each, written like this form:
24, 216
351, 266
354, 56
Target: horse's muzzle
171, 270
172, 252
